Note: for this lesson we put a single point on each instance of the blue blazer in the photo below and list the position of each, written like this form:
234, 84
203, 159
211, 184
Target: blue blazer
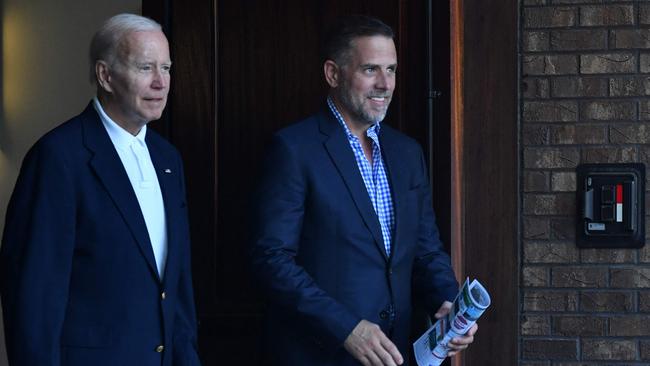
318, 251
78, 277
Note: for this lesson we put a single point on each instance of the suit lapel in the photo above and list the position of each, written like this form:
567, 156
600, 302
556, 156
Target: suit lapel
341, 153
108, 167
167, 179
396, 169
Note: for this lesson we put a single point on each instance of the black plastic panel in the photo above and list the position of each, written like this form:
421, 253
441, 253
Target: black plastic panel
611, 208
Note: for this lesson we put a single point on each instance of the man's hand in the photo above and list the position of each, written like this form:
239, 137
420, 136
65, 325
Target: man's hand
370, 346
457, 344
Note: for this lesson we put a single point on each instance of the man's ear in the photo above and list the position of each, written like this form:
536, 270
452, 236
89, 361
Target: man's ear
332, 73
103, 76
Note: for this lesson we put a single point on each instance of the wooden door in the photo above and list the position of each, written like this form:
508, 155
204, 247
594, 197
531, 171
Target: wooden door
245, 68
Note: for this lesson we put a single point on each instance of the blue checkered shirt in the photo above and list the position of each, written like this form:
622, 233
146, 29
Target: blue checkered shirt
374, 177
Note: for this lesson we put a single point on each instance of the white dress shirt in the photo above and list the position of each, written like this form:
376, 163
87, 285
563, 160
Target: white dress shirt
137, 162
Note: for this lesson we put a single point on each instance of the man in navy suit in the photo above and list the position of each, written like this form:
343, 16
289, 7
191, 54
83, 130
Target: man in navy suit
95, 256
344, 234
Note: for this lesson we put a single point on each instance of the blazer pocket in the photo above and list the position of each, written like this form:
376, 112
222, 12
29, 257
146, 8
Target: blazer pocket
413, 194
413, 202
86, 337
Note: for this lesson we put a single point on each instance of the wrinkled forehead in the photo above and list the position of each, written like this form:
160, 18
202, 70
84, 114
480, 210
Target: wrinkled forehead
144, 44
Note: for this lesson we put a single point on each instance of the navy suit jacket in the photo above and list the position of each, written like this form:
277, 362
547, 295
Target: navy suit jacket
78, 277
318, 251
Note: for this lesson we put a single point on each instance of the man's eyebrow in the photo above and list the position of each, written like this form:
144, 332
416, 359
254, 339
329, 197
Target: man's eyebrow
151, 62
363, 66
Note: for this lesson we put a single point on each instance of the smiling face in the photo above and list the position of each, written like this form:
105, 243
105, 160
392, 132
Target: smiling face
363, 86
134, 89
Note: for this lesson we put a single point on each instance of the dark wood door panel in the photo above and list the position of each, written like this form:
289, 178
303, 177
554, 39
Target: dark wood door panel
243, 69
269, 75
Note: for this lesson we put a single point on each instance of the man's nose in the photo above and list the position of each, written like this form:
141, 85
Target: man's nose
160, 79
384, 81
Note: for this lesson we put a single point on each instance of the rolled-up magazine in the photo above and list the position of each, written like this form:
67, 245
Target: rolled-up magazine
470, 303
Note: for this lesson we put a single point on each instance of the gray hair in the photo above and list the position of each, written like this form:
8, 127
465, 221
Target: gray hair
106, 40
338, 40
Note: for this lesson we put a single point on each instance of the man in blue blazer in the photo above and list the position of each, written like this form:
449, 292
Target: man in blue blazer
95, 256
344, 235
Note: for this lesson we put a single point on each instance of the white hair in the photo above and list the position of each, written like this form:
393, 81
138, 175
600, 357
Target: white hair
106, 40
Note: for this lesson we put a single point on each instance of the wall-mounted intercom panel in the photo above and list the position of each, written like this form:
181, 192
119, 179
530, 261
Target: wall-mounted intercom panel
611, 210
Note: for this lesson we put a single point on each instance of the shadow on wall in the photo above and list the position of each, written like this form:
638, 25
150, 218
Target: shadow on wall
4, 166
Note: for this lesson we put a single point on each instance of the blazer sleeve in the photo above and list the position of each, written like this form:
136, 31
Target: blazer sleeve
279, 207
185, 324
36, 258
433, 277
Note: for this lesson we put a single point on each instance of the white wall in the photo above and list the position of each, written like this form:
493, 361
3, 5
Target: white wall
44, 75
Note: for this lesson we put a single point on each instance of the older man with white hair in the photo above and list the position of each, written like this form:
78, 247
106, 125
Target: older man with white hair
95, 257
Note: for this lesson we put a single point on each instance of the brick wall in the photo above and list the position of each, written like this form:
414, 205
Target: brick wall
585, 98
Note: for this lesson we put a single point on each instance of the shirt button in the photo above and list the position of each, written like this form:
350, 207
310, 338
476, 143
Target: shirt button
390, 271
160, 348
163, 295
383, 314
